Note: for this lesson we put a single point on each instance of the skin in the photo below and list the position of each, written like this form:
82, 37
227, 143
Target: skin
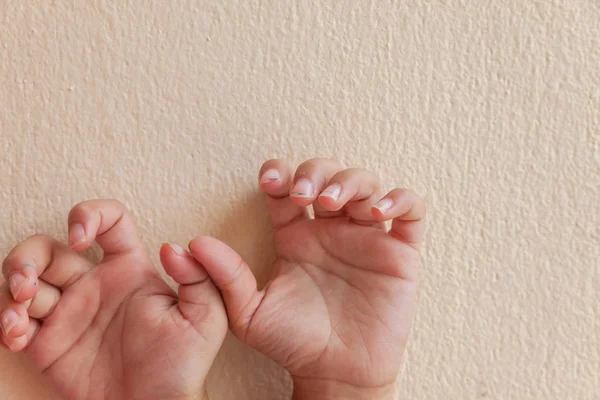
114, 330
336, 314
338, 311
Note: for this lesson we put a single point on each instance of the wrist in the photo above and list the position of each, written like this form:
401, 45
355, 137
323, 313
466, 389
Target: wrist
323, 389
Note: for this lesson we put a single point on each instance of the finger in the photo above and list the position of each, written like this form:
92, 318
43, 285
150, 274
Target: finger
106, 221
181, 265
407, 209
275, 179
10, 312
22, 342
22, 279
310, 179
44, 302
14, 320
199, 299
41, 256
354, 189
357, 245
233, 278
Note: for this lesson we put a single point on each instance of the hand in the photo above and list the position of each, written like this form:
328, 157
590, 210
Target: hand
338, 310
114, 330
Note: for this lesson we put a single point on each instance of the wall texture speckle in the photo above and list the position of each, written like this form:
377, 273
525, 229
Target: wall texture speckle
491, 110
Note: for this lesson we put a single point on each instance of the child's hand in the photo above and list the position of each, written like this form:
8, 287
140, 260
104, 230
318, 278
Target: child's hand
113, 330
338, 311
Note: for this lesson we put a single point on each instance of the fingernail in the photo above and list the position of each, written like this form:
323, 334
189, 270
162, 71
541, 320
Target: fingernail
17, 283
9, 320
384, 205
333, 191
177, 249
76, 235
303, 188
270, 175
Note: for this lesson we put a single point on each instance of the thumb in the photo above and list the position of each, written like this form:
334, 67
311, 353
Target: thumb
234, 279
199, 301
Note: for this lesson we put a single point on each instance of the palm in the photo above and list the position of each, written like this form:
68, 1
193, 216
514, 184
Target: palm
112, 336
350, 320
339, 307
117, 330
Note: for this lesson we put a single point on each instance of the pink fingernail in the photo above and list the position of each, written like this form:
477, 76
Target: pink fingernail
9, 320
303, 188
333, 191
384, 205
177, 249
76, 235
16, 283
270, 175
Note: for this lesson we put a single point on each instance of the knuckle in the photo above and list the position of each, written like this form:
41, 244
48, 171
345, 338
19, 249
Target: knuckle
81, 206
271, 162
79, 209
317, 162
118, 203
357, 173
17, 255
94, 206
342, 175
37, 237
401, 192
416, 198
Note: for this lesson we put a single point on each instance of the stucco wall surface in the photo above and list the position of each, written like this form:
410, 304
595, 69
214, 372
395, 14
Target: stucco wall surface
489, 109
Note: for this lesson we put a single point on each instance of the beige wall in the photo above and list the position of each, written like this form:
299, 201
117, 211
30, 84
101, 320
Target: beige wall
490, 109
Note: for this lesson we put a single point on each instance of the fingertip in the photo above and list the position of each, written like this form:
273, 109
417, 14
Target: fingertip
164, 251
7, 344
170, 252
14, 322
274, 179
15, 345
200, 242
329, 202
377, 213
383, 207
78, 240
220, 261
23, 284
270, 177
273, 164
176, 249
303, 190
180, 265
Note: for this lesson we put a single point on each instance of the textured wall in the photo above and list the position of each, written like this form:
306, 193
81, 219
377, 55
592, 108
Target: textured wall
490, 109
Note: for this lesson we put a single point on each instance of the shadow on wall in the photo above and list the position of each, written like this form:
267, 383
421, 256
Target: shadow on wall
247, 229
